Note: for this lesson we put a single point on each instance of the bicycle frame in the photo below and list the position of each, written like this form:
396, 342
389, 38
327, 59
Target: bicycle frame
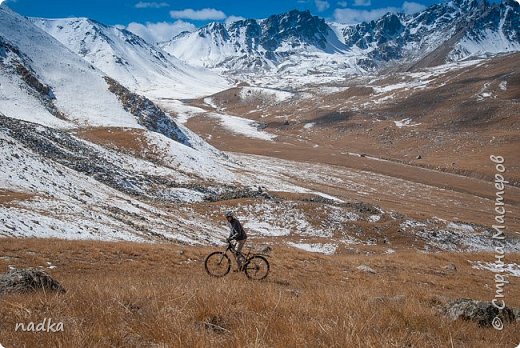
231, 248
247, 257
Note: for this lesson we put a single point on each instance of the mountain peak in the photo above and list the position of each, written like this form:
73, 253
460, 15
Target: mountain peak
469, 5
285, 41
512, 3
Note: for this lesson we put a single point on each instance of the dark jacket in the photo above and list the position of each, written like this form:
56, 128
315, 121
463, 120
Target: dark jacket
237, 232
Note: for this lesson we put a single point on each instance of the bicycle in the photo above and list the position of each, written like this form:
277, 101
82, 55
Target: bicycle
255, 265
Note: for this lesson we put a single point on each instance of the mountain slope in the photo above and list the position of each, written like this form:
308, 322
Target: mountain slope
496, 31
130, 60
44, 82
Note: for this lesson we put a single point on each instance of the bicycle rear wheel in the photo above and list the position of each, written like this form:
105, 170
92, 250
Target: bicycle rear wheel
217, 264
257, 268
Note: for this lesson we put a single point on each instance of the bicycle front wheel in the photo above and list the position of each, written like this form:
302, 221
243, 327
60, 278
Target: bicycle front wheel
257, 268
217, 264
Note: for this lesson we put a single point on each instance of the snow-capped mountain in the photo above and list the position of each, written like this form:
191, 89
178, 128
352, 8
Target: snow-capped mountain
130, 60
460, 28
250, 45
298, 44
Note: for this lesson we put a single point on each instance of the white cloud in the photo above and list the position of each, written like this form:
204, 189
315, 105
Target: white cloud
199, 15
413, 7
144, 4
161, 31
321, 5
362, 2
342, 3
232, 19
353, 16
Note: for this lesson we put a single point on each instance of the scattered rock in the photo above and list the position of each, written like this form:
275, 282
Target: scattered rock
232, 193
371, 241
28, 280
516, 312
480, 312
450, 267
418, 157
363, 208
147, 113
319, 199
389, 299
294, 292
266, 250
366, 269
214, 323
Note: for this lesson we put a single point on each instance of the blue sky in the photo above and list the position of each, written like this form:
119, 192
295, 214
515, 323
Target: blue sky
126, 11
161, 19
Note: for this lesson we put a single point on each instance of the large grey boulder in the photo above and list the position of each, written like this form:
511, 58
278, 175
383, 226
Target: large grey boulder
480, 312
28, 280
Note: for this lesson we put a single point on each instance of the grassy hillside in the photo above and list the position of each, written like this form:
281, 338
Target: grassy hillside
158, 295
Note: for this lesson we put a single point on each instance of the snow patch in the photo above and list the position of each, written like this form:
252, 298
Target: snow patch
374, 218
242, 126
267, 94
327, 249
405, 122
511, 268
266, 229
461, 227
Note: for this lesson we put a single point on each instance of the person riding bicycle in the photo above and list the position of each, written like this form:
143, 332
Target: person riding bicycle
237, 233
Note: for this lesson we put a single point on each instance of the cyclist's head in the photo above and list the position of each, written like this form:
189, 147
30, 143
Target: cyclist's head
229, 215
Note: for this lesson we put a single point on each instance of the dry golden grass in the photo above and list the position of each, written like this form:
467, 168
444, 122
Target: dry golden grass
122, 139
146, 295
9, 198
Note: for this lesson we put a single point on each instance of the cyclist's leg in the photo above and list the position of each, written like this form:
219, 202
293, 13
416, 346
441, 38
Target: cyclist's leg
238, 247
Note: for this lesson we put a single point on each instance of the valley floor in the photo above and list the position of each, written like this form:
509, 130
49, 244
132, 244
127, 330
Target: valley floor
158, 295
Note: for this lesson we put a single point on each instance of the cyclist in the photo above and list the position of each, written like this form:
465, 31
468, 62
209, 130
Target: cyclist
236, 233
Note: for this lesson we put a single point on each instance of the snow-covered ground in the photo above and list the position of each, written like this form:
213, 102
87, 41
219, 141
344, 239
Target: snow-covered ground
68, 204
234, 124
